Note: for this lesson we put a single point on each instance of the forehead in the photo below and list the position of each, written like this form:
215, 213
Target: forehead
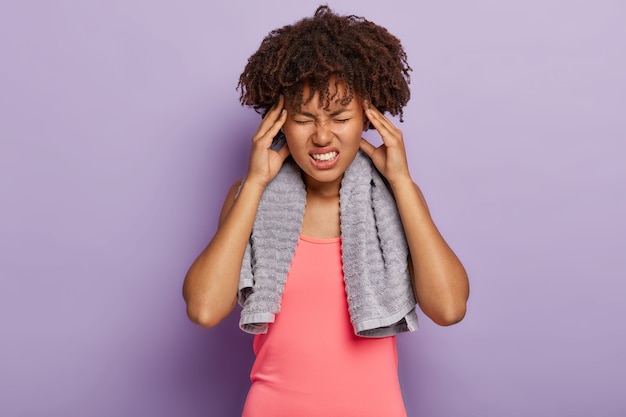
334, 97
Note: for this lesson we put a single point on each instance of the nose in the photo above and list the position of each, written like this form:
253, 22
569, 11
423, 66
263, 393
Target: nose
323, 136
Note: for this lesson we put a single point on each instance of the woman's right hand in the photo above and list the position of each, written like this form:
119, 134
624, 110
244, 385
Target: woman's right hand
265, 162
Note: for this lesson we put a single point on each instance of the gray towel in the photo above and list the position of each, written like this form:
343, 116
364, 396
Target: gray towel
373, 245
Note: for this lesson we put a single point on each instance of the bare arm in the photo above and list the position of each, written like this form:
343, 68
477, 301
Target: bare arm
439, 280
210, 287
211, 284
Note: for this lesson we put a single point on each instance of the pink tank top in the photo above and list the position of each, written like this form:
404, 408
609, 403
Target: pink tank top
310, 362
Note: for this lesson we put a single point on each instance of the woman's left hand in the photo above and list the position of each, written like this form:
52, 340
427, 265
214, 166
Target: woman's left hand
390, 157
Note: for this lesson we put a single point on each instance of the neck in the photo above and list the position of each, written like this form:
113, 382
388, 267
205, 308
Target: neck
321, 189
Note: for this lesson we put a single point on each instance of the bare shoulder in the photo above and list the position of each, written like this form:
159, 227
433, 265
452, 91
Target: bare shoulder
230, 199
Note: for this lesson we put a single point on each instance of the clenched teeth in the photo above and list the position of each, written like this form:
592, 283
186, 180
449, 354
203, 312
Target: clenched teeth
324, 156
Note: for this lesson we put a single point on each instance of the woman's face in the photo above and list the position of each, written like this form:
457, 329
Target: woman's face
324, 142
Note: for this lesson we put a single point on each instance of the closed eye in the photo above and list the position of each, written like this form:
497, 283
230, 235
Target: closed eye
341, 120
302, 122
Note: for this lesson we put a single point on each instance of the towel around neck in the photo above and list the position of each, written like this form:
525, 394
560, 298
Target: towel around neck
374, 250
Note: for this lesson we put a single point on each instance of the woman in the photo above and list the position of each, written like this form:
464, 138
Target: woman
327, 242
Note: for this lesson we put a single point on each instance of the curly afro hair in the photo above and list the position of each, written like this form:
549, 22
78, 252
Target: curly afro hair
350, 49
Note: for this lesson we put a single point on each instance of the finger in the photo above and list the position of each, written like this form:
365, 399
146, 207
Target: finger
275, 128
374, 116
267, 131
386, 129
367, 147
378, 119
370, 110
274, 114
283, 152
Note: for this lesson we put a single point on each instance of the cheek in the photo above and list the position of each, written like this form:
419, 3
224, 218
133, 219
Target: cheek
294, 140
295, 133
351, 130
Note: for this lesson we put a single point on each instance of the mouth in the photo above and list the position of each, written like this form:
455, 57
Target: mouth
324, 157
324, 160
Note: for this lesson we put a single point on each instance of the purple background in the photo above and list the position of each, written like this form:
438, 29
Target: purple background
121, 132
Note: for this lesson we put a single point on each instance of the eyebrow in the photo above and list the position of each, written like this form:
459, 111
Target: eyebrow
333, 114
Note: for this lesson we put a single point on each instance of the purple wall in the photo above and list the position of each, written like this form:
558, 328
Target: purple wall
121, 131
